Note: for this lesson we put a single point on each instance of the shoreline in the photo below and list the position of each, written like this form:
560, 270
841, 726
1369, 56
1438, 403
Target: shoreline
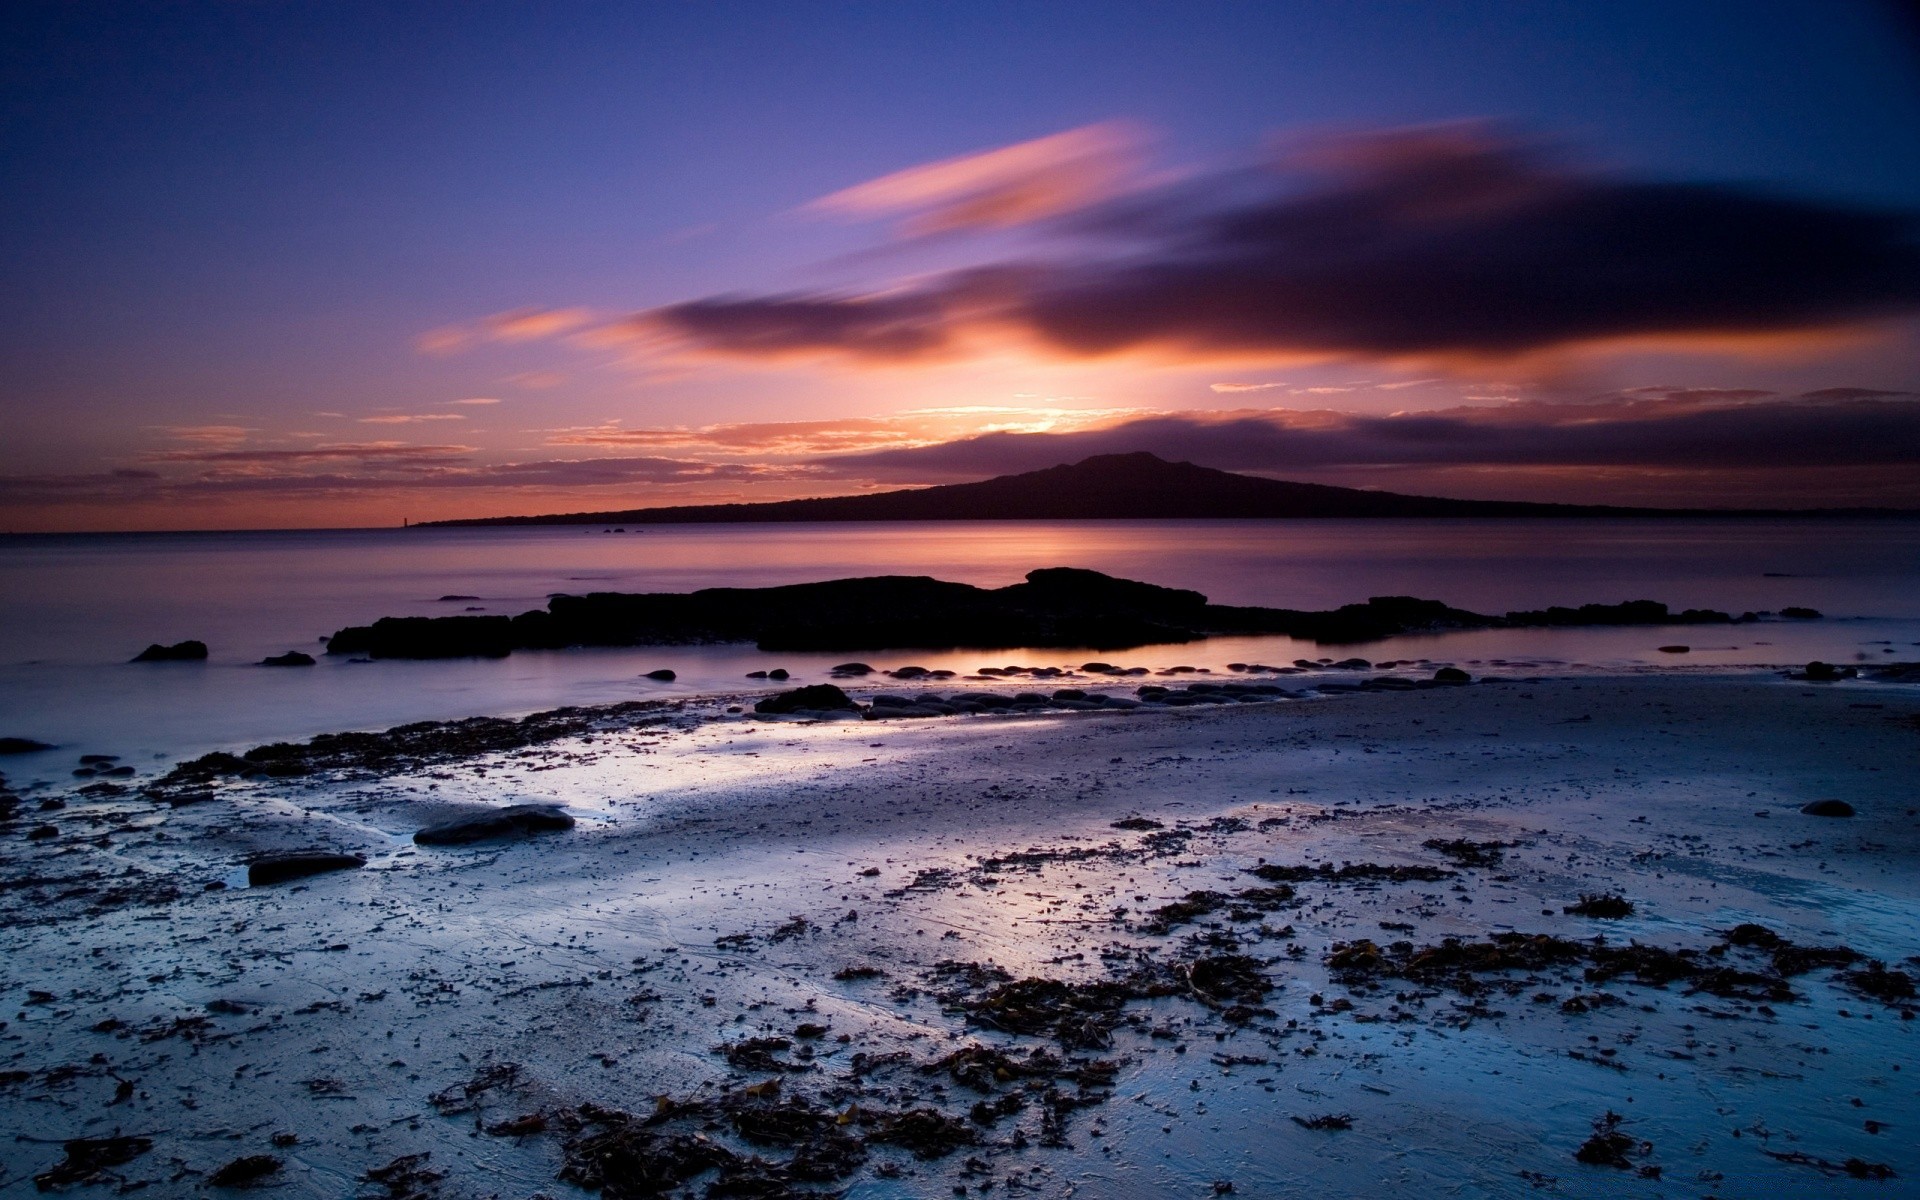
606, 963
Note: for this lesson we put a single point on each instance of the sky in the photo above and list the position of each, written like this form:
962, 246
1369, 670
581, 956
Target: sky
271, 264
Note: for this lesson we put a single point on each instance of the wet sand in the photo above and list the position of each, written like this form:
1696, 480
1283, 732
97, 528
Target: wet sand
891, 885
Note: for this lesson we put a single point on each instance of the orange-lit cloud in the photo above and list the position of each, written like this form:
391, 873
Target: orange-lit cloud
410, 418
780, 440
997, 189
517, 325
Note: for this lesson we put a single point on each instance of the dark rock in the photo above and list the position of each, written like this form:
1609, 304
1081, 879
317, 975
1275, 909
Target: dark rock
88, 1159
1828, 808
189, 651
1605, 907
819, 697
756, 675
20, 745
1676, 649
516, 821
279, 868
451, 598
1796, 613
292, 658
245, 1172
778, 673
662, 675
40, 833
1820, 672
1451, 675
851, 668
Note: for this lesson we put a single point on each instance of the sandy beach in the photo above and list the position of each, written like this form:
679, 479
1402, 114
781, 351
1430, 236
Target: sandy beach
779, 957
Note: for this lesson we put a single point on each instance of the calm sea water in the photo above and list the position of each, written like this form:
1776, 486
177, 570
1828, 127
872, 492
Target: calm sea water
73, 609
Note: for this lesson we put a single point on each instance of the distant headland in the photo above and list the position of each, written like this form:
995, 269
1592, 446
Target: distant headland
1137, 486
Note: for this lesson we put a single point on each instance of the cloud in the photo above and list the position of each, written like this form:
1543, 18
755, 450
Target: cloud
410, 418
998, 189
516, 325
390, 454
475, 401
776, 440
1243, 387
1679, 429
1448, 246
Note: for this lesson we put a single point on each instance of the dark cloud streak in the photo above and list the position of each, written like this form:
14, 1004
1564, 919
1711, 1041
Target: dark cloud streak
1429, 243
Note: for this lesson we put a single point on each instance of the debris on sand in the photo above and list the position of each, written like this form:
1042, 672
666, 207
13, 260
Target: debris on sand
926, 1133
89, 1160
757, 1054
1609, 1147
1458, 965
280, 868
1326, 1122
1857, 1168
1875, 981
467, 1096
406, 1177
1245, 905
1138, 824
1348, 873
245, 1172
1603, 905
1468, 853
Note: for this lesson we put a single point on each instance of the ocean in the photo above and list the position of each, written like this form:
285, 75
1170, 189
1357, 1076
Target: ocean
75, 608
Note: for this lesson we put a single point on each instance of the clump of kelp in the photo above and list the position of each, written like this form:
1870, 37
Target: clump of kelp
1750, 962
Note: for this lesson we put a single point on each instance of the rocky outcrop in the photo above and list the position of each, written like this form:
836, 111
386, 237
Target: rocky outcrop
188, 651
292, 658
1056, 607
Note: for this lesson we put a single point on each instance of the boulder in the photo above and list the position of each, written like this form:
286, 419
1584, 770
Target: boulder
852, 668
519, 820
662, 675
1828, 808
20, 745
1676, 649
778, 673
1821, 672
279, 868
1451, 675
292, 658
819, 697
189, 651
1794, 612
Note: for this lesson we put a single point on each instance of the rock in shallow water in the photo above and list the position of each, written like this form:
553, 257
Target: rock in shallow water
820, 697
1828, 808
279, 868
188, 651
520, 820
292, 658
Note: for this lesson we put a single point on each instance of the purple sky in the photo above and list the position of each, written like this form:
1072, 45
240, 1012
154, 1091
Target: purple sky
322, 265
